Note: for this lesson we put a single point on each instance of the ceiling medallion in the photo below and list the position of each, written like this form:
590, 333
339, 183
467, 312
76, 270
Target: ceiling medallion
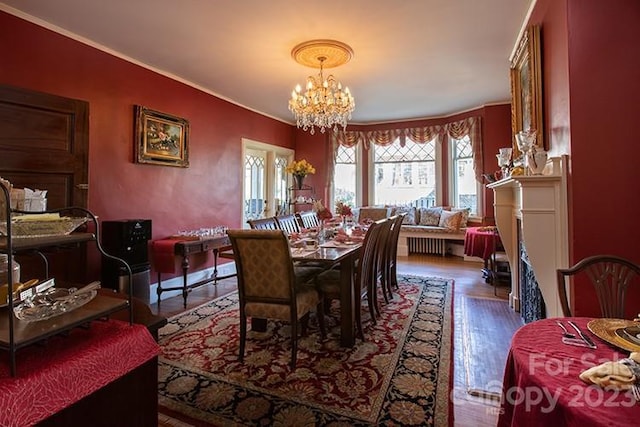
323, 104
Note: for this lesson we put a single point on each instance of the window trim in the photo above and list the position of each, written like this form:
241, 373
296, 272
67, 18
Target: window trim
359, 180
451, 180
438, 165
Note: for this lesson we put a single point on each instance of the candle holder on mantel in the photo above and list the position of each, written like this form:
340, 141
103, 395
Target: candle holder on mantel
535, 158
504, 160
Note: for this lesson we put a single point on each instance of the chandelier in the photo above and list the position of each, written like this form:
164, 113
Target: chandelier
324, 103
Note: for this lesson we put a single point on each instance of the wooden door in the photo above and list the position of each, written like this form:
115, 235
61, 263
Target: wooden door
44, 141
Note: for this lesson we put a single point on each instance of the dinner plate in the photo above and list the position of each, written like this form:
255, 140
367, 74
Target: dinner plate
631, 334
606, 330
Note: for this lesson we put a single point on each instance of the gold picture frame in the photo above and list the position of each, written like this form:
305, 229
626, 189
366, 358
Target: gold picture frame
526, 87
161, 139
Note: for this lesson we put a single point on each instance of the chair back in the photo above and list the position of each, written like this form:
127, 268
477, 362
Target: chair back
611, 277
308, 219
367, 266
263, 224
394, 235
288, 223
264, 266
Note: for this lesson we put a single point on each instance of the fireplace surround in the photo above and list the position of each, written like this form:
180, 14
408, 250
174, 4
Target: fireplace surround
531, 211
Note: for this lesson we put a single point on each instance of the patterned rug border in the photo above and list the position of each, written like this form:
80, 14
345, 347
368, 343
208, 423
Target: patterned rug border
443, 410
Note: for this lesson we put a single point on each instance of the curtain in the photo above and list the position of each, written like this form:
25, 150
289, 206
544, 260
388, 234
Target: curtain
469, 126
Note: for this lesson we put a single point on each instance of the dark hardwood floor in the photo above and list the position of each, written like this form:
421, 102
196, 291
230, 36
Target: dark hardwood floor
468, 410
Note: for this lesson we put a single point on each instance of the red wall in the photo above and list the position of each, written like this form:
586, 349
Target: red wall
591, 88
207, 193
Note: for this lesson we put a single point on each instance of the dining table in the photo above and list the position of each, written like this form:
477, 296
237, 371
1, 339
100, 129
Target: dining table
332, 253
541, 384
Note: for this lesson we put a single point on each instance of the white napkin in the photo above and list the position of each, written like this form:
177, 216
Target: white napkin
620, 375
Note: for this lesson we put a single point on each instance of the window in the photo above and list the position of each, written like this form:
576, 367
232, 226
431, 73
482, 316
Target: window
344, 177
405, 174
264, 179
464, 186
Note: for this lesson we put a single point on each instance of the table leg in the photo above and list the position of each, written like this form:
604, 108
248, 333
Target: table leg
185, 270
159, 289
347, 303
215, 266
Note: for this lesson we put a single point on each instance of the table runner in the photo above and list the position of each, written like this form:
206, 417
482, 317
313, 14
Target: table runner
163, 255
60, 372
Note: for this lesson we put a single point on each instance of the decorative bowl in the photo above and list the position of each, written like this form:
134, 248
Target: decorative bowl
49, 227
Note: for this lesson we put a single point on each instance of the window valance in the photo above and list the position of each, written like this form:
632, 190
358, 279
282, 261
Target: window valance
420, 135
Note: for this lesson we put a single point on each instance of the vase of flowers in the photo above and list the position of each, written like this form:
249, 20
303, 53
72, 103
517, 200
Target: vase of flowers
299, 169
323, 214
345, 213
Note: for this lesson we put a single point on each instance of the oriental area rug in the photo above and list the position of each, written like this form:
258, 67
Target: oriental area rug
400, 375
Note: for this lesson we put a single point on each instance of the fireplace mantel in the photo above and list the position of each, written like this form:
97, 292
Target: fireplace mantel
540, 203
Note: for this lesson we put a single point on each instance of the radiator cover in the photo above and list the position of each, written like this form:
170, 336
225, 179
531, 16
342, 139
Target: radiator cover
421, 245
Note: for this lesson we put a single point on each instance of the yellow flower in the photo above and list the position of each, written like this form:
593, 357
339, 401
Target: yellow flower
301, 167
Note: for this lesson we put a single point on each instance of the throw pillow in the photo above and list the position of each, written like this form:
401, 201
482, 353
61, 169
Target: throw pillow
450, 220
409, 218
430, 216
465, 215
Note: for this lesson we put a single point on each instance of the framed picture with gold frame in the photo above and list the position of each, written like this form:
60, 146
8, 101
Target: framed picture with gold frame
161, 139
526, 87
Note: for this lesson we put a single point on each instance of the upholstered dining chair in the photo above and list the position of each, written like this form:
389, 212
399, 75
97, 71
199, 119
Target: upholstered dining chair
308, 219
328, 282
269, 223
288, 223
270, 287
611, 277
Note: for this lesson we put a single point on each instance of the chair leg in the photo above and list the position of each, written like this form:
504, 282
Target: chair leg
243, 336
294, 343
394, 277
383, 286
304, 322
320, 315
358, 313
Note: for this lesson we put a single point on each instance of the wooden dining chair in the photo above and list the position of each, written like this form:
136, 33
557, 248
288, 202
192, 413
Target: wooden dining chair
498, 267
328, 282
611, 277
308, 219
288, 223
270, 287
380, 273
269, 223
391, 261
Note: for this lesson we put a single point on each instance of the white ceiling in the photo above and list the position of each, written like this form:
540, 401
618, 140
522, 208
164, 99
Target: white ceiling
413, 58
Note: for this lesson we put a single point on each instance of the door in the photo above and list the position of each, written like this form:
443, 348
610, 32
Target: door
265, 180
44, 141
44, 145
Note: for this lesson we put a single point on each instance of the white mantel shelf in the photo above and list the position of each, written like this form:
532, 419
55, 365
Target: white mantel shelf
540, 202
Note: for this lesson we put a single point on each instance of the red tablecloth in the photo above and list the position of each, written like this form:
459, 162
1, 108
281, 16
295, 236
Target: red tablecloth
541, 386
479, 242
55, 375
163, 255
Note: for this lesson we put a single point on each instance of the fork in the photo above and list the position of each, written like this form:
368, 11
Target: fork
566, 333
635, 390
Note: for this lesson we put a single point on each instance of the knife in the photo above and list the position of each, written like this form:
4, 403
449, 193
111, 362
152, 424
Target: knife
583, 336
